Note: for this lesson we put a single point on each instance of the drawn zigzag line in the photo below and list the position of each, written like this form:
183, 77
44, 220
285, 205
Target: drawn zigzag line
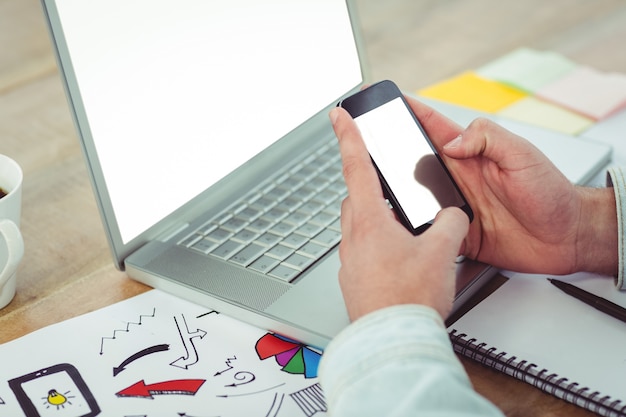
125, 330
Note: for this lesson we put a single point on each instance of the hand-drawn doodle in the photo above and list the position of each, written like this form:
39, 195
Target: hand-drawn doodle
174, 387
2, 401
229, 366
250, 393
126, 329
310, 400
191, 355
61, 386
139, 355
294, 357
244, 377
207, 313
277, 402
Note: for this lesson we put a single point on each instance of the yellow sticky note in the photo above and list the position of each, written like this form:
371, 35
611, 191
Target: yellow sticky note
470, 90
540, 113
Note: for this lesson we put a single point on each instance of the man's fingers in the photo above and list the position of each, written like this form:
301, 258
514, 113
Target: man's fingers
359, 173
484, 137
451, 227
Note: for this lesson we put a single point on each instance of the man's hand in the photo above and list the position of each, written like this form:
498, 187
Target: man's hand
383, 264
528, 216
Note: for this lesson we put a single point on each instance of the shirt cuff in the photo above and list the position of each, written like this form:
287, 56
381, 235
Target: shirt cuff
615, 178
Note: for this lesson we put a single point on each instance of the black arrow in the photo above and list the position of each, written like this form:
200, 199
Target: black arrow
250, 393
138, 355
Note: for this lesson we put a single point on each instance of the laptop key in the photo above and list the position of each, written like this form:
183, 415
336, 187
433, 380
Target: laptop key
309, 229
248, 254
245, 236
227, 249
234, 224
190, 240
260, 225
268, 239
280, 251
283, 228
313, 250
304, 193
264, 264
295, 240
326, 197
311, 207
289, 204
204, 246
297, 261
263, 204
336, 225
219, 235
328, 238
275, 214
249, 214
297, 218
207, 228
284, 273
323, 218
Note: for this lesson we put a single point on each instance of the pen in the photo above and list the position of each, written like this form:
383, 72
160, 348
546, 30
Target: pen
594, 301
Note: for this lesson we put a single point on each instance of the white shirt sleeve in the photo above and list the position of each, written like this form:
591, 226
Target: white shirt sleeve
398, 361
615, 178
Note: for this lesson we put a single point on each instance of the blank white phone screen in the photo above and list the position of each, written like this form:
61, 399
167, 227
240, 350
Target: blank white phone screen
406, 161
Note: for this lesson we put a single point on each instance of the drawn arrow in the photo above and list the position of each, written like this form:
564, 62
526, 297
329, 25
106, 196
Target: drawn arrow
175, 387
191, 354
250, 393
228, 364
139, 355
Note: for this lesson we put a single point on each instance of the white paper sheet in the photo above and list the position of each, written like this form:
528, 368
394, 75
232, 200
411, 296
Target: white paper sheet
157, 355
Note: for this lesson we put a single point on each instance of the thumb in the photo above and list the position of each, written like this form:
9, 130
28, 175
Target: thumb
484, 137
481, 138
450, 229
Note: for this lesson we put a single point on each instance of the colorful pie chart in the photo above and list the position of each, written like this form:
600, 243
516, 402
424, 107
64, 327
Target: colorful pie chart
293, 357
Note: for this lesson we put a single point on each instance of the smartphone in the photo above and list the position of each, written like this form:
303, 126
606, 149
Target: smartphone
56, 391
415, 181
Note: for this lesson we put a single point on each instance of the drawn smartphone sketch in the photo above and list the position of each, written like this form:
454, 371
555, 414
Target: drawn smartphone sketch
57, 391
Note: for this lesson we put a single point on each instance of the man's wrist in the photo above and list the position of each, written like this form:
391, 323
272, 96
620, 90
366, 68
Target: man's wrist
597, 242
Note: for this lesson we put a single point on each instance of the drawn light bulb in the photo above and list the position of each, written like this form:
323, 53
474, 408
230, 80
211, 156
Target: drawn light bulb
56, 398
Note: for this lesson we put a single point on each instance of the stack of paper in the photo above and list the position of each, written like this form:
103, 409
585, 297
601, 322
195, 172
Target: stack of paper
537, 87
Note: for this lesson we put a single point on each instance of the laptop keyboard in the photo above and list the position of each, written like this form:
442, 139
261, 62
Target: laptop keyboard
284, 228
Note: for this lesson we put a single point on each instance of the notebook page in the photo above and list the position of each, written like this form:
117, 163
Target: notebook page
531, 319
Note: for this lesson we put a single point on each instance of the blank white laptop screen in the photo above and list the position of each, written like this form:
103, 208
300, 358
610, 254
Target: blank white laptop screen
179, 94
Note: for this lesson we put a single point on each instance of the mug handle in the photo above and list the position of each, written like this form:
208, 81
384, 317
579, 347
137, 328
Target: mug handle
15, 246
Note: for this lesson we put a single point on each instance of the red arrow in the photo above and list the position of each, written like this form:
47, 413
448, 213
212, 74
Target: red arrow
180, 387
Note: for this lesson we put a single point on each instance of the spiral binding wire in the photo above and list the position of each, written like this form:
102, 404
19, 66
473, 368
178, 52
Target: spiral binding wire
530, 373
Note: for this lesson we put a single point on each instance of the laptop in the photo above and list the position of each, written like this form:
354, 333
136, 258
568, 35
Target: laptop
205, 131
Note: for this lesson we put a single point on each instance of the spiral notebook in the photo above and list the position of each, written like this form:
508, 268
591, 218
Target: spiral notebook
529, 329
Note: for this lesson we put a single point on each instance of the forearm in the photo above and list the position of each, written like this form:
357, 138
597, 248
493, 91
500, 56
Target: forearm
597, 237
398, 361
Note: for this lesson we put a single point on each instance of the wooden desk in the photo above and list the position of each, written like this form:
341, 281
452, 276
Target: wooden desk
67, 268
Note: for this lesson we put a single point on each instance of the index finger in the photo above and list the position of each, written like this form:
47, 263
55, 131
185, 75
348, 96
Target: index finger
358, 171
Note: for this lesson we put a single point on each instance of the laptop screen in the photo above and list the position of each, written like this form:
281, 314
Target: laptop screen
177, 94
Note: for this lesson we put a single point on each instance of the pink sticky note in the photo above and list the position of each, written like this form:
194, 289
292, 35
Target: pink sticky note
593, 93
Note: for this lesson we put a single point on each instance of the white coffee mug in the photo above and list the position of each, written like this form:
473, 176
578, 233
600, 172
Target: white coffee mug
11, 243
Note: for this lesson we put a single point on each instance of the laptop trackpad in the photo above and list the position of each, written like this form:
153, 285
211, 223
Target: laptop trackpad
315, 302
